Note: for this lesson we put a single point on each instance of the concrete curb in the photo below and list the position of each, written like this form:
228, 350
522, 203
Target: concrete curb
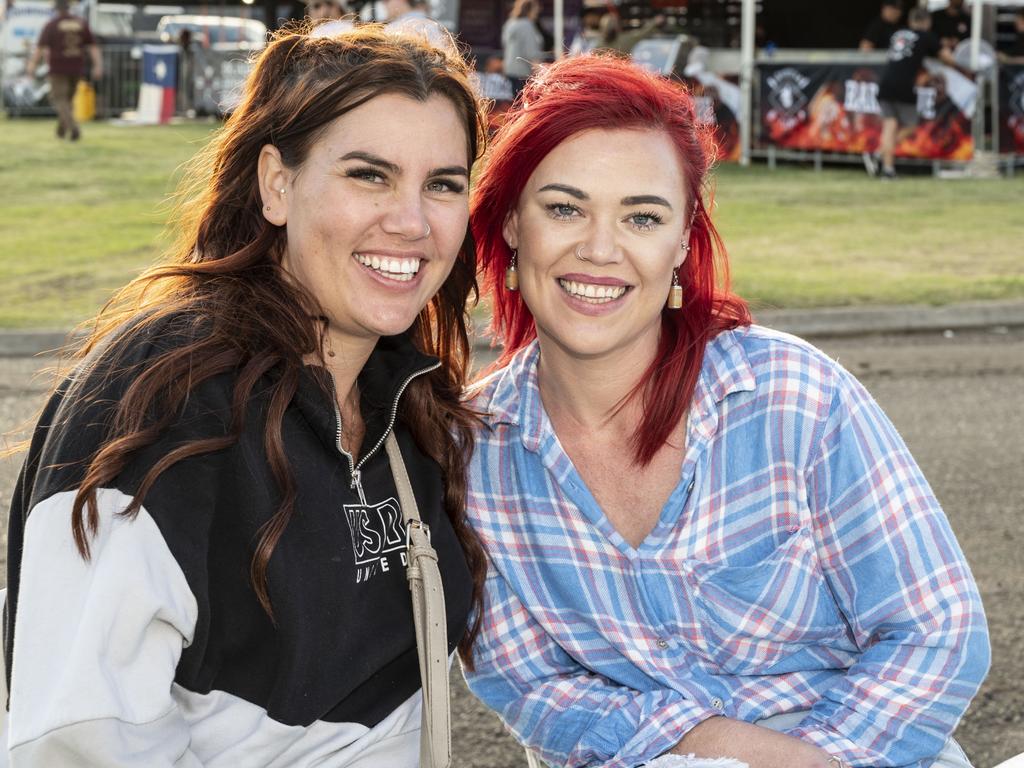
861, 321
829, 322
31, 343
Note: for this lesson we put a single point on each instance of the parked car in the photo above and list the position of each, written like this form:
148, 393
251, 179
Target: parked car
20, 25
214, 30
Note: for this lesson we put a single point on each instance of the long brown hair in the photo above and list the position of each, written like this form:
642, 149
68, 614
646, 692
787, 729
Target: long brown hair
252, 323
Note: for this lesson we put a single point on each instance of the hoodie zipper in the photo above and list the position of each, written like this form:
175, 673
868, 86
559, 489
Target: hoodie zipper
355, 469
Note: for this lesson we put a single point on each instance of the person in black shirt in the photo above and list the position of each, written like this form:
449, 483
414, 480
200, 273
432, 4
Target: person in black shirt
952, 24
207, 553
1015, 53
908, 49
878, 33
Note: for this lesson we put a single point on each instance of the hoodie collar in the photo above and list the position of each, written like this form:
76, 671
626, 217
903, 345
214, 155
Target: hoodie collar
393, 363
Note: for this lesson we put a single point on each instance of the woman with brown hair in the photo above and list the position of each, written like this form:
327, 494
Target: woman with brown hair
207, 559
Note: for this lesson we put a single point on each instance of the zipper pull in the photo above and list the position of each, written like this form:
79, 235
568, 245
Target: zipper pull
357, 483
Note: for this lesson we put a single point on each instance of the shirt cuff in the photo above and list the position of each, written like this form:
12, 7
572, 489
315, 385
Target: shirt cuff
835, 744
661, 732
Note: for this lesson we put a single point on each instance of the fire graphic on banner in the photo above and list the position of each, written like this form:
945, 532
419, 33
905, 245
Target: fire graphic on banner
1011, 106
717, 103
834, 108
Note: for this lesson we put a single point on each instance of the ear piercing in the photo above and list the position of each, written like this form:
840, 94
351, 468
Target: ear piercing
675, 294
283, 192
512, 273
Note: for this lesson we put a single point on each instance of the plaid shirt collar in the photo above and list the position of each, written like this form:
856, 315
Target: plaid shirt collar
516, 400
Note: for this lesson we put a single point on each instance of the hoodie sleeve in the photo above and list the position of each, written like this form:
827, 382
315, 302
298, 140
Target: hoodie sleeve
98, 642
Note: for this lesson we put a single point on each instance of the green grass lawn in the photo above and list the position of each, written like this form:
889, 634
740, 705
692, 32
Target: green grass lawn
78, 220
797, 238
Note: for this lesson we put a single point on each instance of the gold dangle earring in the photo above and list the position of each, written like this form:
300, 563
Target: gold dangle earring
675, 294
512, 274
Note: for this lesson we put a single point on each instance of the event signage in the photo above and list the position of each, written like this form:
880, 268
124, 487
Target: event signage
834, 108
717, 103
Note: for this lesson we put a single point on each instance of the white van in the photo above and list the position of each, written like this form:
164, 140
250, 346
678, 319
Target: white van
213, 31
20, 24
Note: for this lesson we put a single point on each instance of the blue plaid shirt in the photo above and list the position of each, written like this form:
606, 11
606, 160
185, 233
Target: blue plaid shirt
801, 563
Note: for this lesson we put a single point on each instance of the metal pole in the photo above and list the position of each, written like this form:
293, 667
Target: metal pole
559, 29
748, 19
977, 8
996, 117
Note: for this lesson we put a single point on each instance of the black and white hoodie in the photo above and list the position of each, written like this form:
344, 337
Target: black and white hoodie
156, 652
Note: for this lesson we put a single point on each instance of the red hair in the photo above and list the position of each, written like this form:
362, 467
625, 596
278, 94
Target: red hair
608, 92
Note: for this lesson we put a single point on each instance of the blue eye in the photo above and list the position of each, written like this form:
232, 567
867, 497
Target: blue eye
446, 185
562, 211
371, 175
646, 220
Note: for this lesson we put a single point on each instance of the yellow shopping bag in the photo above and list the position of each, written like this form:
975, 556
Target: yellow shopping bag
84, 102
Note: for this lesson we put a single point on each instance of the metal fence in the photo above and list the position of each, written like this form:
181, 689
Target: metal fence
117, 91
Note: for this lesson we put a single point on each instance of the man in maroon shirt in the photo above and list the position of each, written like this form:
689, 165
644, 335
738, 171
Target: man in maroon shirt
64, 41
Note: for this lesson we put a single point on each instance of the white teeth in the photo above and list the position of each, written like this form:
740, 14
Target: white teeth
592, 293
401, 270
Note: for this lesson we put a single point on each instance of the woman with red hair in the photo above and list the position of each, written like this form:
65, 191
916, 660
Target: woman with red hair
705, 537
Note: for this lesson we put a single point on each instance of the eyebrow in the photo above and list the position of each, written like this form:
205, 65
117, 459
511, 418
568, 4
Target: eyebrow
387, 165
579, 194
646, 200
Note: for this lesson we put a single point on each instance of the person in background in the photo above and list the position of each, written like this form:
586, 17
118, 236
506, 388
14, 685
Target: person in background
704, 536
897, 96
319, 10
521, 42
881, 29
412, 17
614, 38
186, 73
330, 17
206, 552
951, 24
1015, 53
589, 33
64, 42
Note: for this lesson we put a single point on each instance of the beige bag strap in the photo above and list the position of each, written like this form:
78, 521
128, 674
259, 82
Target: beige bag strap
428, 614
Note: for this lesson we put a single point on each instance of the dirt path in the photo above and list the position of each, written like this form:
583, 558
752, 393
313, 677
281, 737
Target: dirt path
959, 403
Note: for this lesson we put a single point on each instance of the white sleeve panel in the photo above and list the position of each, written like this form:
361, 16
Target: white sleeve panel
97, 643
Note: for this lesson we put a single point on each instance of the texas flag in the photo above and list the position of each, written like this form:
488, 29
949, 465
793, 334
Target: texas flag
159, 82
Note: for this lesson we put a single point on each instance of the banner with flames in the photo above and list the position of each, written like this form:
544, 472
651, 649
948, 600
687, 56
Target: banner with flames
834, 108
717, 100
1011, 109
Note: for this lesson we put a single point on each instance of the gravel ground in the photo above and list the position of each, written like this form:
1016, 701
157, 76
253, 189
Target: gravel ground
959, 403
